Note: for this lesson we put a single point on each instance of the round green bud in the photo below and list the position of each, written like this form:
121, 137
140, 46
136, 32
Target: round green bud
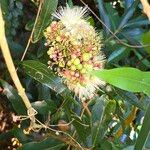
86, 56
79, 67
76, 61
83, 70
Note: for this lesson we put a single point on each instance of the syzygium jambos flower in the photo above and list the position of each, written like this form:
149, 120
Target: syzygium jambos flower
74, 50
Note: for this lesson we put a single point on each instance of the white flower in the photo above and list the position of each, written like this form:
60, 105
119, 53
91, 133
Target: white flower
71, 16
74, 50
88, 90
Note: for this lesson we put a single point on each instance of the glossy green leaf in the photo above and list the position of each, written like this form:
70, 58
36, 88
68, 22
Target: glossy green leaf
113, 16
104, 15
137, 23
128, 14
44, 75
41, 73
82, 130
126, 78
117, 54
128, 3
4, 5
131, 98
97, 115
70, 3
48, 7
47, 144
129, 148
13, 97
43, 108
29, 25
107, 145
143, 135
19, 134
147, 144
146, 40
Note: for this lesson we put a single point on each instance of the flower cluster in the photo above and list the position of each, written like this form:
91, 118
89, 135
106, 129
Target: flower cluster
74, 50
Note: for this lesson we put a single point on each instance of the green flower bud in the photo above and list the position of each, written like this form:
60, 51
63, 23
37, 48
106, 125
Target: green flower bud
79, 67
83, 71
76, 61
86, 56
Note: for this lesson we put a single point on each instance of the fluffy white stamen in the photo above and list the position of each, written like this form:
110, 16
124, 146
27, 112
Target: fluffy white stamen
71, 16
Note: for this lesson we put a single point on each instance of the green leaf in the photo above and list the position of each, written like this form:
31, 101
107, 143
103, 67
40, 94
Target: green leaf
19, 134
41, 73
70, 3
131, 98
83, 131
129, 148
128, 14
43, 108
106, 145
5, 7
44, 75
97, 115
29, 25
126, 78
104, 15
13, 97
139, 22
48, 7
147, 144
113, 16
47, 144
146, 40
143, 135
117, 54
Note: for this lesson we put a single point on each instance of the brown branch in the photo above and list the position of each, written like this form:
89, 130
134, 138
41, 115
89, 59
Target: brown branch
32, 32
12, 71
112, 33
65, 139
146, 8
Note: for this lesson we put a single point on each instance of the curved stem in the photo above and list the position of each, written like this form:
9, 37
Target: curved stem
10, 64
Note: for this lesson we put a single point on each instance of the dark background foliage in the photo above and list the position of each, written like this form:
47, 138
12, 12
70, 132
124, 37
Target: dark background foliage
115, 112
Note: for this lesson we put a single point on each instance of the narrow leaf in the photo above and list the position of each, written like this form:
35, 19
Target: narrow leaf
48, 7
128, 14
48, 143
146, 40
97, 115
143, 135
104, 15
44, 75
13, 97
41, 73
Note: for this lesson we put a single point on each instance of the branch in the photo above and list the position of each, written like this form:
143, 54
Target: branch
146, 7
11, 68
65, 139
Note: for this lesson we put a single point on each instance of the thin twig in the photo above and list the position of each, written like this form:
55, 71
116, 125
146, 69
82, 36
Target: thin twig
114, 34
81, 115
31, 35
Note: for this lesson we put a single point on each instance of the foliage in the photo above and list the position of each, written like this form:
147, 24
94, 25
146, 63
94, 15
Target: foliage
102, 123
